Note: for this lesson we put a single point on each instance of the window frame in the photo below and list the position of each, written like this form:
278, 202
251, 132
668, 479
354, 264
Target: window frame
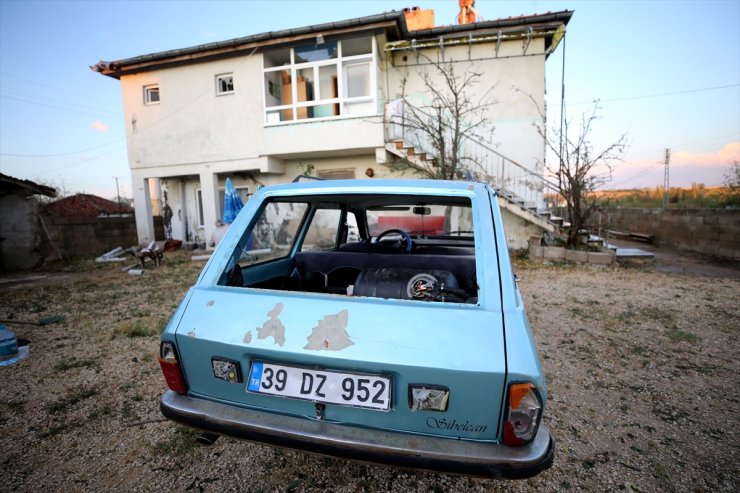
148, 90
218, 79
341, 100
242, 190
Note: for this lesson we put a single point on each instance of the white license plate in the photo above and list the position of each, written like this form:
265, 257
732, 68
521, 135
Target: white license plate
332, 387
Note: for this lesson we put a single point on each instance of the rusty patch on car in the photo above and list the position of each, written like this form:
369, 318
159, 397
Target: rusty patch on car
210, 303
272, 328
330, 334
191, 333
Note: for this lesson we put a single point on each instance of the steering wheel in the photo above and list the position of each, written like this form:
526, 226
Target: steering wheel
405, 239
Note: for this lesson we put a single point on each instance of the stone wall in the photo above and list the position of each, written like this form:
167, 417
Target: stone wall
19, 233
86, 237
714, 232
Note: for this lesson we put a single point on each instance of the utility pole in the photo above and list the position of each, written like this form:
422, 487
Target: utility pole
118, 194
666, 185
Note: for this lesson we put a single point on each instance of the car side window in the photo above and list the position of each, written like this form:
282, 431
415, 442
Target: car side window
273, 234
323, 230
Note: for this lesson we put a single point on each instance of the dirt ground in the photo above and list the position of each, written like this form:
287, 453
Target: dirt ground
642, 368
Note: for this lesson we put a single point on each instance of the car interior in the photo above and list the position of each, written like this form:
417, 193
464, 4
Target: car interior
393, 246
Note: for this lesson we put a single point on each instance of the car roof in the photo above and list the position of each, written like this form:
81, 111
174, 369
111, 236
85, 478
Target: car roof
421, 186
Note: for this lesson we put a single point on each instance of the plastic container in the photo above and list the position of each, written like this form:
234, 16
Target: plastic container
8, 347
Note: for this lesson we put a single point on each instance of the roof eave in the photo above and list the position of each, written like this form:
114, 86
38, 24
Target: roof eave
30, 186
393, 22
238, 46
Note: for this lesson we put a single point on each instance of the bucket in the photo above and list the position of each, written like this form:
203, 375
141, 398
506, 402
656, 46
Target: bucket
8, 346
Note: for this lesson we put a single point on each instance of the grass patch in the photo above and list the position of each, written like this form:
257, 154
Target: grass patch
135, 329
670, 414
54, 430
586, 314
182, 442
18, 407
104, 410
639, 350
70, 400
69, 363
679, 335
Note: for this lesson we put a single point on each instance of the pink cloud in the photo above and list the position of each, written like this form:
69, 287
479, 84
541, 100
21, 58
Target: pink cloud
686, 167
99, 126
720, 158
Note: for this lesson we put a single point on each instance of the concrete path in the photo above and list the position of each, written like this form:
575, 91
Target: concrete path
681, 261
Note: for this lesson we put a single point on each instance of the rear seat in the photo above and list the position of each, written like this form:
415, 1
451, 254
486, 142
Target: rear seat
461, 266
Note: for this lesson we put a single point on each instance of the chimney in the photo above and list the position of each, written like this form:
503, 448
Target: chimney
417, 19
468, 14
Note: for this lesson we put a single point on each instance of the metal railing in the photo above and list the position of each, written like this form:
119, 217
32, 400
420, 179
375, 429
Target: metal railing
512, 179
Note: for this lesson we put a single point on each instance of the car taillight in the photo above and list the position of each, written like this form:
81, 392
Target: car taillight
171, 368
522, 414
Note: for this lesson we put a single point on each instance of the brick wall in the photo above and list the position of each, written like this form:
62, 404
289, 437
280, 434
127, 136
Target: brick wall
713, 232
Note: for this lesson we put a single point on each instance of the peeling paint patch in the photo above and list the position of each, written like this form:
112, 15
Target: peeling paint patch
330, 334
191, 333
210, 303
247, 337
273, 327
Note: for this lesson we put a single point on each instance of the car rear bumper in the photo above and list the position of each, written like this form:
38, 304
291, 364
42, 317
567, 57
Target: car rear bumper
350, 442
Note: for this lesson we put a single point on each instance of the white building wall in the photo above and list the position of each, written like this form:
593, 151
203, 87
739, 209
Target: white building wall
513, 79
193, 139
191, 124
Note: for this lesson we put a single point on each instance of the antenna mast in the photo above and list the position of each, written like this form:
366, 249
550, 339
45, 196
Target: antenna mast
665, 178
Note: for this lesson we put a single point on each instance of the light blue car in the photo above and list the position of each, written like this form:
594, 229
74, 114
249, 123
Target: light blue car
404, 342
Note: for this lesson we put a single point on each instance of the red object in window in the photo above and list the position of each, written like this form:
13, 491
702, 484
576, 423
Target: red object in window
427, 225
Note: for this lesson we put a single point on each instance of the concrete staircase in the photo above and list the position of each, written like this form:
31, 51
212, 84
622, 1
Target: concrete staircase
398, 151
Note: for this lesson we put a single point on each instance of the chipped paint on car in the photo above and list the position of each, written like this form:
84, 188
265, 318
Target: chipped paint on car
330, 334
273, 327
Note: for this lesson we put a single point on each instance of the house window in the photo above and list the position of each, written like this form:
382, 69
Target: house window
332, 79
151, 94
243, 192
336, 174
224, 84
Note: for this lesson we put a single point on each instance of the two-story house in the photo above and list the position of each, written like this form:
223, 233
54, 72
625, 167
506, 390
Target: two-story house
266, 108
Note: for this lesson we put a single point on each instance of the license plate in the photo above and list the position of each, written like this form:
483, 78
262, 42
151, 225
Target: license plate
331, 387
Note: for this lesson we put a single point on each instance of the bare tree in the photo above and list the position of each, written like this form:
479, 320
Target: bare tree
579, 169
443, 117
731, 176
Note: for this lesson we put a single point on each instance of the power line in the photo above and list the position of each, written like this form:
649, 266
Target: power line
86, 160
82, 112
639, 174
656, 95
83, 96
23, 93
63, 153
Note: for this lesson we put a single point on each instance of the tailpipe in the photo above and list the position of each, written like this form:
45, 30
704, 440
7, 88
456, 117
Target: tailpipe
206, 438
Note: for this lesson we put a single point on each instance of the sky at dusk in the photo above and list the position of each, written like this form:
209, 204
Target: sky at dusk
666, 73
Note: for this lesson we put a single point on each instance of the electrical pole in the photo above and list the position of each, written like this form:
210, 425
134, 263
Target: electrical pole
118, 194
665, 178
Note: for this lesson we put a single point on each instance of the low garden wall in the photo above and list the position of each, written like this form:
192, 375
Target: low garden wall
714, 232
84, 237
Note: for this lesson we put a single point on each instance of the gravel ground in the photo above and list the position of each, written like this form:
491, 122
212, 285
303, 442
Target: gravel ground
642, 368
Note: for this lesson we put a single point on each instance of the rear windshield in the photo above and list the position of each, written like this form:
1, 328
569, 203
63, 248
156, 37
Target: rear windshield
387, 246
